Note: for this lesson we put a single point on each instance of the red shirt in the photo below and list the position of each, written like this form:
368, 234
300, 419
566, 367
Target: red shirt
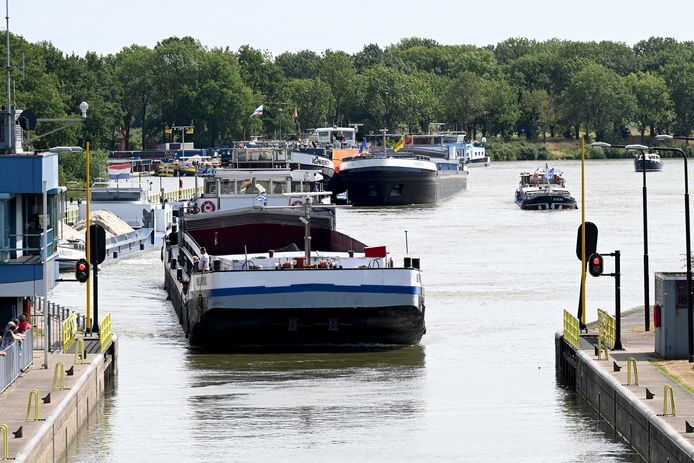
23, 326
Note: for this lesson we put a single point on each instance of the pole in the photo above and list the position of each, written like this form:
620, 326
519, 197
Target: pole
617, 303
10, 122
690, 329
44, 258
95, 327
89, 260
646, 295
582, 302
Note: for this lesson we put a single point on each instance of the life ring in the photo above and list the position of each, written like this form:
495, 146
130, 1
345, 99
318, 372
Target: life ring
207, 206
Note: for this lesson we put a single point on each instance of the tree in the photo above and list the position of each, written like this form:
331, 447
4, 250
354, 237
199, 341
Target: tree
337, 70
314, 102
499, 107
598, 98
299, 65
653, 104
133, 71
464, 101
680, 82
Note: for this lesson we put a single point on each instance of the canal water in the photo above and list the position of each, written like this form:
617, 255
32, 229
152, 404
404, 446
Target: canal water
480, 387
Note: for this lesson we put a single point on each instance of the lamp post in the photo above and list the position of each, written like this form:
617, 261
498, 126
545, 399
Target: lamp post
646, 286
690, 329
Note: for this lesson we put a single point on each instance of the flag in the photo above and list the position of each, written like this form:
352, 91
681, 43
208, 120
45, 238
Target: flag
261, 198
295, 114
258, 111
549, 175
189, 131
119, 171
404, 140
362, 147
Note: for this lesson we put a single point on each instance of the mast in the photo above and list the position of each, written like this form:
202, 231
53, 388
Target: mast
10, 121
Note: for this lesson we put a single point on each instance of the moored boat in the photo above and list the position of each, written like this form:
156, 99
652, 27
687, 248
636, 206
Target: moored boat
400, 179
544, 189
651, 162
266, 293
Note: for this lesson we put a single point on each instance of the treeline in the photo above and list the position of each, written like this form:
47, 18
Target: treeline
518, 87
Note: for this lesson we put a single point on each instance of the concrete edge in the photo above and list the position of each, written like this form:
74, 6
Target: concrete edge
629, 396
47, 425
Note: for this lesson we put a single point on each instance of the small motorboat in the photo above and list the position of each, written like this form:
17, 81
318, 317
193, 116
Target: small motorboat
651, 162
544, 189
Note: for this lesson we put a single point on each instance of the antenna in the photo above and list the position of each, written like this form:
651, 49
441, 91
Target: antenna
407, 247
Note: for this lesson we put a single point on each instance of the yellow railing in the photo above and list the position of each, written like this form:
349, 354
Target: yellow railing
105, 334
667, 388
79, 351
185, 193
607, 328
571, 329
631, 363
35, 394
71, 215
69, 327
6, 444
59, 367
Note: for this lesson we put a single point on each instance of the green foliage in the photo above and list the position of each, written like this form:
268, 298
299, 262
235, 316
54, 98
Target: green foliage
517, 151
73, 166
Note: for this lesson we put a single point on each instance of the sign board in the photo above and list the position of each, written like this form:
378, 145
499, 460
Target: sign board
591, 240
97, 244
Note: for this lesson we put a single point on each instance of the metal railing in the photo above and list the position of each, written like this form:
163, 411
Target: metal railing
69, 331
105, 333
57, 314
571, 329
185, 193
71, 216
607, 328
18, 357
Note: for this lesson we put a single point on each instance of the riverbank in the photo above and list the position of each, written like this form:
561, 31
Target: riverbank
632, 398
43, 430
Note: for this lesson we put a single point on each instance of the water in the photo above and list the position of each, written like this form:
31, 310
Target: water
480, 387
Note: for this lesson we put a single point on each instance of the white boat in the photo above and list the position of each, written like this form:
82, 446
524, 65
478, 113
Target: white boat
470, 153
131, 204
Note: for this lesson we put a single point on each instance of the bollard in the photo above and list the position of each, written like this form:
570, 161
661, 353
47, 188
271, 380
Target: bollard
667, 388
60, 366
602, 347
35, 394
631, 363
5, 445
115, 254
80, 343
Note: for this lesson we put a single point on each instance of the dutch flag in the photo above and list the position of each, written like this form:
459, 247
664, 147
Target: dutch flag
258, 111
119, 171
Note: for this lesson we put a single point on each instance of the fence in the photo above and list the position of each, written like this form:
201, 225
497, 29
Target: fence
571, 329
18, 357
606, 328
186, 193
57, 314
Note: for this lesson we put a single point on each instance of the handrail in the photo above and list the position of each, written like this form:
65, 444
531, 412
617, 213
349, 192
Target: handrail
607, 328
62, 376
571, 329
105, 334
35, 394
5, 445
667, 388
631, 361
80, 343
69, 327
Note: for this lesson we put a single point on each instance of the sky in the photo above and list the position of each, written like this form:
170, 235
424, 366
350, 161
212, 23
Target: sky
106, 26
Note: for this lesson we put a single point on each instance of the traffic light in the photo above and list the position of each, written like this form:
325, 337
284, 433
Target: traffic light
595, 264
82, 270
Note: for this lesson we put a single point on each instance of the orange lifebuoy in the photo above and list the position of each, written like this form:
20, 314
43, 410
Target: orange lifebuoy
207, 206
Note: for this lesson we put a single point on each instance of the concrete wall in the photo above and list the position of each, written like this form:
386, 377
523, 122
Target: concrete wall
53, 439
650, 436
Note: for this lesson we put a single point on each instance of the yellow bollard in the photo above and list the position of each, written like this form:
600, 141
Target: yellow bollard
667, 388
602, 347
6, 445
80, 344
59, 366
35, 394
631, 361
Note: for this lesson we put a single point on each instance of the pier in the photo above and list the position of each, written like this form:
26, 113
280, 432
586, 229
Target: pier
647, 400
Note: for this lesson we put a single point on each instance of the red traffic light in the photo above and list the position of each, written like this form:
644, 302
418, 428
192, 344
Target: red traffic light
82, 271
595, 265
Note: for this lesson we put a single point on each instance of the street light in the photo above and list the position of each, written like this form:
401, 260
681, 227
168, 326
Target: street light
690, 330
646, 286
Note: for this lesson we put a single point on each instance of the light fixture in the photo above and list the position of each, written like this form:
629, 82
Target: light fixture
84, 106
